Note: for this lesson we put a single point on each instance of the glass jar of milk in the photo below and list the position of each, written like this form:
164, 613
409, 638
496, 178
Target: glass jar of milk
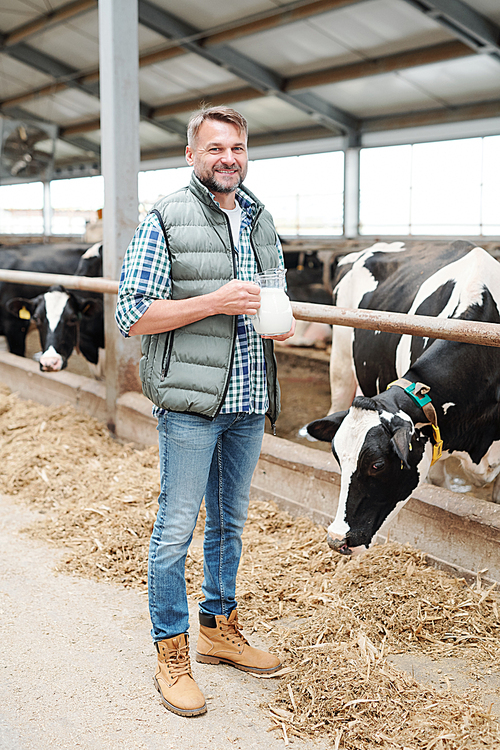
274, 316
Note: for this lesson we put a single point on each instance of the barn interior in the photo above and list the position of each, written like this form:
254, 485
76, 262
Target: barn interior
84, 83
106, 87
310, 77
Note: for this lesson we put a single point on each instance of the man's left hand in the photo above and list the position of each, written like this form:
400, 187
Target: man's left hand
283, 336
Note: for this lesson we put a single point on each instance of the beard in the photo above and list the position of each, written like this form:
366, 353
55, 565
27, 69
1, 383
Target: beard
210, 181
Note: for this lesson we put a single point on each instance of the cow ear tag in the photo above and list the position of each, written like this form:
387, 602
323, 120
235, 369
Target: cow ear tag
24, 313
437, 448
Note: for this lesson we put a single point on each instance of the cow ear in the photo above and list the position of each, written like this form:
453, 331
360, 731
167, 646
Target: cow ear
401, 442
325, 429
90, 307
20, 307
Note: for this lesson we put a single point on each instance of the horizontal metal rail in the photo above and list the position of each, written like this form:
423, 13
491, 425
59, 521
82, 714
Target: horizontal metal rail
451, 329
85, 283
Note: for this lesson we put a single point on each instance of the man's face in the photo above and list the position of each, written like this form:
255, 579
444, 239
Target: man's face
219, 156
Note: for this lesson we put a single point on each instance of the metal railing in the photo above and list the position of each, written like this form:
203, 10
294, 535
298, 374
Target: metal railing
451, 329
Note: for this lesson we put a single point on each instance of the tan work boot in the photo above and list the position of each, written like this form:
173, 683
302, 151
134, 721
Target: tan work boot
221, 640
173, 679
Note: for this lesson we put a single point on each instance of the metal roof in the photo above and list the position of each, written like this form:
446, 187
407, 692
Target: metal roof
326, 72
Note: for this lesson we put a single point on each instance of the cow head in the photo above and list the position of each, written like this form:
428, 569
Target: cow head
90, 264
382, 459
57, 315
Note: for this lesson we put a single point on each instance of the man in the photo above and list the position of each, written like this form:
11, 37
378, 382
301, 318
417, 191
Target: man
186, 287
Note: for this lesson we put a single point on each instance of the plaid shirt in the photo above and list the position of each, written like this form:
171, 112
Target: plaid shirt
145, 277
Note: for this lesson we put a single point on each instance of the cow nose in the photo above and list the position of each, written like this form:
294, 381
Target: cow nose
338, 545
51, 363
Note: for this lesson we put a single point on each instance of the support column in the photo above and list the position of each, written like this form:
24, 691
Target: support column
47, 210
119, 94
351, 192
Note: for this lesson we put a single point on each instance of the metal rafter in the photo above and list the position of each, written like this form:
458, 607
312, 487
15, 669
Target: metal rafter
294, 11
398, 61
45, 21
474, 29
248, 70
51, 66
462, 113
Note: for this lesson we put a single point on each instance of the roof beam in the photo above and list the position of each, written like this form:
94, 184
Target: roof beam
248, 70
388, 64
263, 139
398, 61
86, 83
334, 74
285, 14
482, 110
370, 125
50, 66
474, 29
47, 20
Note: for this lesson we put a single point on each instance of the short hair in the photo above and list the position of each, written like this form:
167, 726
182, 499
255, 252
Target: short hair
222, 114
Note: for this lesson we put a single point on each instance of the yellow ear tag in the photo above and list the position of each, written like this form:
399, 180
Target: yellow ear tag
24, 314
437, 448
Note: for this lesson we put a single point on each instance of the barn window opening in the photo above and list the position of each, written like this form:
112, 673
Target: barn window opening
428, 189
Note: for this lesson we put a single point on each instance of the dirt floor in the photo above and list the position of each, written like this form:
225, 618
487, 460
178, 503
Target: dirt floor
380, 652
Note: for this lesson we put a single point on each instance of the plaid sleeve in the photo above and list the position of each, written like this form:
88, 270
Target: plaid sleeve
145, 274
280, 252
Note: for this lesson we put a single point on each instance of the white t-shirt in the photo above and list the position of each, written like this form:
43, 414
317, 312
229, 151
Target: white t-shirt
234, 222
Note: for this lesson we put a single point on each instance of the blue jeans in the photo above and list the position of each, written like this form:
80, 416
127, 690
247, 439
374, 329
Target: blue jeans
200, 458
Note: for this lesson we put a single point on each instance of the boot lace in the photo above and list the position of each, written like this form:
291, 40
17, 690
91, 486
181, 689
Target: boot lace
231, 632
178, 661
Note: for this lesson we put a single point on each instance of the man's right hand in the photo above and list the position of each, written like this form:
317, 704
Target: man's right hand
237, 298
234, 298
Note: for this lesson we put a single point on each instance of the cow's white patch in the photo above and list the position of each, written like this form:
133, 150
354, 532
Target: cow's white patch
343, 381
55, 302
349, 292
486, 470
92, 252
389, 416
352, 288
470, 274
404, 415
348, 443
378, 247
446, 406
377, 332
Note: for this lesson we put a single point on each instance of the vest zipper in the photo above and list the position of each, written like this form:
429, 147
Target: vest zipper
271, 415
235, 276
166, 361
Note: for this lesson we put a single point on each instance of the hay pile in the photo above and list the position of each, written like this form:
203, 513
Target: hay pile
333, 621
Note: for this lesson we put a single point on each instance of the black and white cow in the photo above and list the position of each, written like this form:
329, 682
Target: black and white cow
59, 316
384, 442
66, 320
309, 280
41, 258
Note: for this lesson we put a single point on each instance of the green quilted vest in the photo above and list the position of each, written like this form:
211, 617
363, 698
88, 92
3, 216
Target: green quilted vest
188, 369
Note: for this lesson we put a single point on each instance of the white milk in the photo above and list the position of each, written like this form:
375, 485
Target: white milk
274, 315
